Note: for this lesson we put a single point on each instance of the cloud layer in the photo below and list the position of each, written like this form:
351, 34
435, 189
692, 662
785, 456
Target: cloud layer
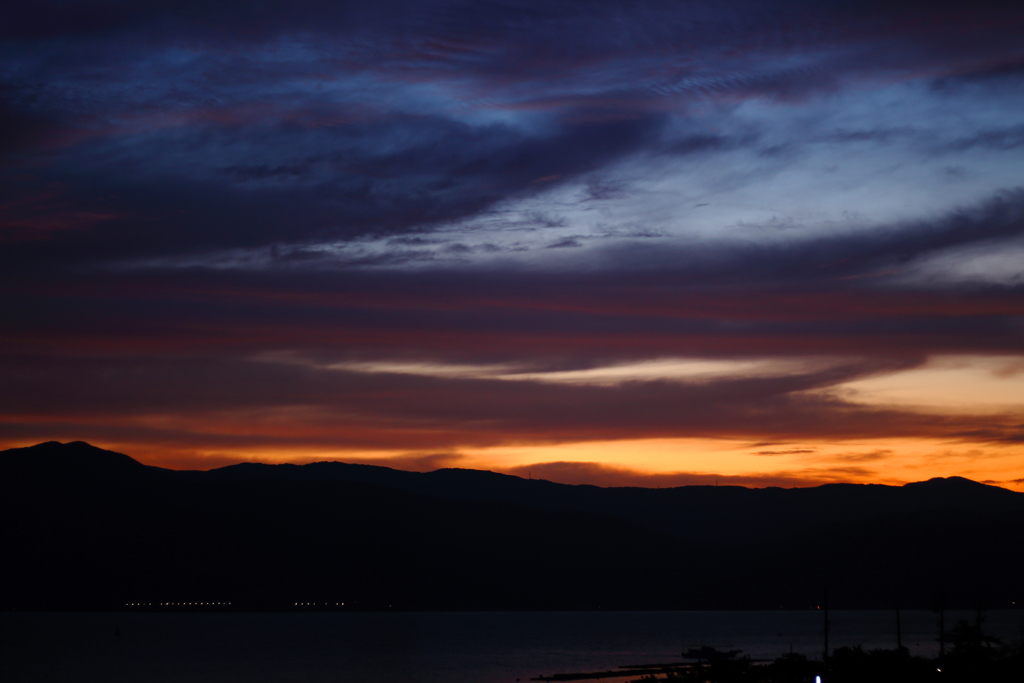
230, 228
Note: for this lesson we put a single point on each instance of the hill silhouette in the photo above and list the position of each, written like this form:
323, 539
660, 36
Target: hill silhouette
707, 513
92, 529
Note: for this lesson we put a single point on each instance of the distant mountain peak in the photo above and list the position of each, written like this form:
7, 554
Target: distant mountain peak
946, 481
73, 456
961, 485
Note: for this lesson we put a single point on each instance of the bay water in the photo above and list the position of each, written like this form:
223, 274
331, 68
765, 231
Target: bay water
425, 647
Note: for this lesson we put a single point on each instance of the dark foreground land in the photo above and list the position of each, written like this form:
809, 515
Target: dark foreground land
849, 665
88, 529
974, 658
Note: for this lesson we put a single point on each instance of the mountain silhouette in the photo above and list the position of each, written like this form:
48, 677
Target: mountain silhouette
687, 512
87, 528
75, 459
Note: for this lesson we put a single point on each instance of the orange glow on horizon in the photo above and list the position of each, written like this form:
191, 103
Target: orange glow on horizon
965, 409
656, 462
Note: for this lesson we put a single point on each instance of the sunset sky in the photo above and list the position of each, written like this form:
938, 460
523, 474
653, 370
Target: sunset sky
619, 243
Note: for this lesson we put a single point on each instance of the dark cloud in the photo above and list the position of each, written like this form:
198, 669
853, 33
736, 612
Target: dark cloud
694, 144
870, 456
142, 139
192, 126
865, 253
24, 130
789, 451
650, 303
598, 474
1010, 433
869, 135
1003, 139
566, 243
998, 73
223, 403
360, 180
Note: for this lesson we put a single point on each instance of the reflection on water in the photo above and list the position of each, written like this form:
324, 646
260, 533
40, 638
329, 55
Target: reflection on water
431, 647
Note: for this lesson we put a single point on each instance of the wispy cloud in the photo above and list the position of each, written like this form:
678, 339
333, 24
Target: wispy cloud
597, 474
413, 229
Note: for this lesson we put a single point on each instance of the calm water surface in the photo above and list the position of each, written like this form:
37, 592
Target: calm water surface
448, 647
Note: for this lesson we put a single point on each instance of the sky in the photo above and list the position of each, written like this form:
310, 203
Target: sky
616, 243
